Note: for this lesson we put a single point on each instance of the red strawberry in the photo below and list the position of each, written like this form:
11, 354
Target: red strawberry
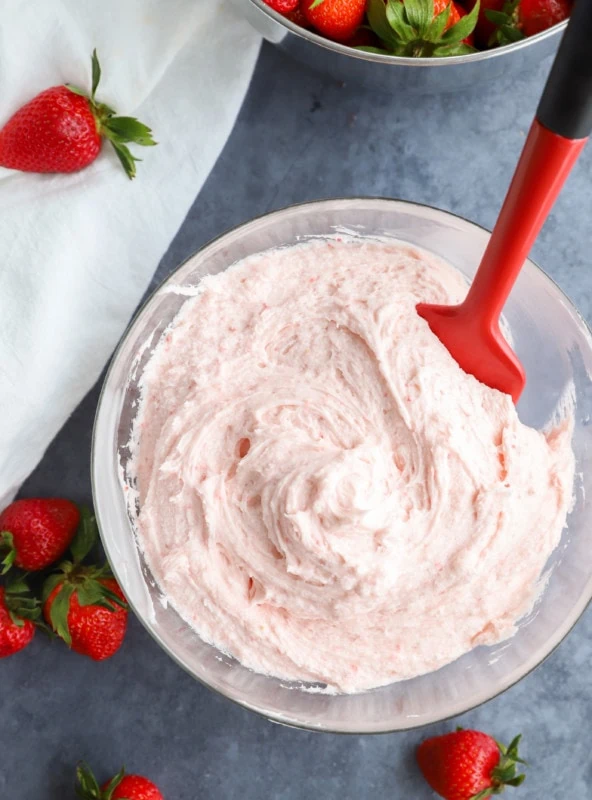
88, 612
520, 18
537, 15
135, 787
83, 603
468, 765
130, 787
37, 531
335, 19
282, 6
363, 37
298, 18
61, 130
16, 626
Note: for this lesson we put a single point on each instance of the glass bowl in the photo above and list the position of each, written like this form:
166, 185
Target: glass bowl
555, 347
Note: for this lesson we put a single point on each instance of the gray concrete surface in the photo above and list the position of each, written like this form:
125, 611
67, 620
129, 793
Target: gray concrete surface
300, 137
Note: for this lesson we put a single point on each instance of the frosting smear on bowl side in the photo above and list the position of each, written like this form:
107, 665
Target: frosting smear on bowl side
324, 494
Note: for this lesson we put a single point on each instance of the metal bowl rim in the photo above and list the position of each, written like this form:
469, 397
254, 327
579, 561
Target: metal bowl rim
392, 61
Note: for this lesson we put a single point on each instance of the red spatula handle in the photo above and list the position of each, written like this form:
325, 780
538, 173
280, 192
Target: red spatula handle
544, 165
556, 139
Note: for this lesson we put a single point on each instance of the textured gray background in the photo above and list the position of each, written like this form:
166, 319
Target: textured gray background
300, 137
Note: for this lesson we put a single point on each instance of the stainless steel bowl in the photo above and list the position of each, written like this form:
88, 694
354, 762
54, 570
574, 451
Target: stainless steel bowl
391, 73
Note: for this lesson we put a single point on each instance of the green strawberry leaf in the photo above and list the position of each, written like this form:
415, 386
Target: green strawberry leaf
506, 20
397, 19
497, 17
105, 571
86, 536
316, 4
463, 28
76, 90
50, 584
7, 543
512, 750
19, 602
87, 787
8, 561
17, 586
128, 161
113, 597
128, 129
379, 23
419, 14
438, 26
96, 73
59, 612
32, 614
508, 34
90, 593
17, 620
486, 793
104, 111
113, 784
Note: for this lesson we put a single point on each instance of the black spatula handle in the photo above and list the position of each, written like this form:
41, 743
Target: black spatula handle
566, 104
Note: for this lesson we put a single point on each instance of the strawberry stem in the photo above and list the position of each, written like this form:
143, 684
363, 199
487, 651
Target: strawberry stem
505, 772
120, 131
410, 28
87, 787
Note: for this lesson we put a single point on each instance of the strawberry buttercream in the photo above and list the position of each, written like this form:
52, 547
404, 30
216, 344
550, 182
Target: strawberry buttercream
324, 494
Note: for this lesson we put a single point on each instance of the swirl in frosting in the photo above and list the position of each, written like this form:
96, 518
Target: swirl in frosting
324, 494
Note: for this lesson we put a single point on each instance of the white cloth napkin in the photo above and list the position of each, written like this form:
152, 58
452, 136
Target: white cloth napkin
78, 251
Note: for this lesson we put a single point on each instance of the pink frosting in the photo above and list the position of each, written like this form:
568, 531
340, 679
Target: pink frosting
324, 493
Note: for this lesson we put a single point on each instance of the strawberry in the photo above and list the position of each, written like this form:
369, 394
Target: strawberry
364, 37
468, 765
336, 19
536, 16
135, 787
120, 787
17, 612
423, 28
282, 6
89, 613
298, 18
61, 130
37, 531
84, 604
520, 18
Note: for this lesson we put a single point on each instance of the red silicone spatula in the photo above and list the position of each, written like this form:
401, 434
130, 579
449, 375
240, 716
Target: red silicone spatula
559, 132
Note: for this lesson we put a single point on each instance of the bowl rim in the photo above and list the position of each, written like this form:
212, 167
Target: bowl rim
389, 60
271, 716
